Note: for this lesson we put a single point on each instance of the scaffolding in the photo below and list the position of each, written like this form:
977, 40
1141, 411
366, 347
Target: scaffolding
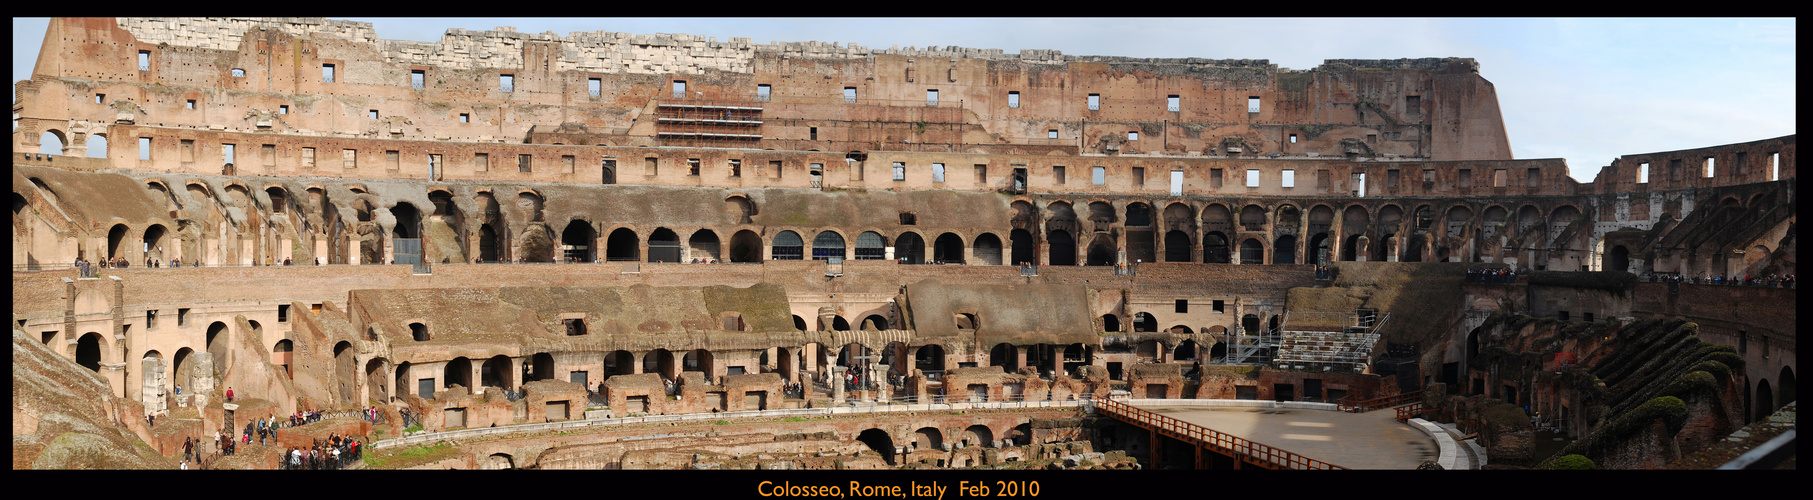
1349, 348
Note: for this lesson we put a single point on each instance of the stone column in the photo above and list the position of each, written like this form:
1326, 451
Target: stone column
837, 384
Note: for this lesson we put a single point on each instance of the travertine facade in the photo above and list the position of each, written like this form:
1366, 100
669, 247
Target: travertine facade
1161, 207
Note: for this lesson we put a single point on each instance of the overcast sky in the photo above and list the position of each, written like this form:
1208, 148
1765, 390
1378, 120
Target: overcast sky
1587, 90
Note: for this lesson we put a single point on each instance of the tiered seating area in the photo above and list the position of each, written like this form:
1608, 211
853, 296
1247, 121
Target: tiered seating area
1345, 349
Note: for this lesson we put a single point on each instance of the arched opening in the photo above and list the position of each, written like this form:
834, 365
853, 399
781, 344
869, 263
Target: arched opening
418, 331
1284, 250
1786, 380
540, 367
1150, 351
928, 438
699, 360
1186, 351
987, 249
346, 372
663, 246
116, 242
838, 323
745, 246
874, 322
1272, 325
496, 372
402, 382
870, 246
409, 221
1219, 353
1349, 248
703, 245
51, 142
1111, 323
879, 441
1021, 435
1215, 248
97, 146
88, 351
929, 358
1076, 355
1252, 218
576, 241
1143, 322
1618, 259
458, 372
978, 435
1102, 251
948, 249
827, 245
1250, 324
1180, 329
1252, 251
659, 361
789, 246
1004, 355
1062, 247
503, 461
1764, 402
375, 388
623, 246
154, 243
281, 355
1023, 251
1139, 214
1318, 249
1177, 246
799, 323
217, 342
487, 243
183, 370
910, 248
618, 363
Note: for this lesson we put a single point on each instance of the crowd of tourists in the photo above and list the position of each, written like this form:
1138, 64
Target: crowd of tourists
1772, 280
333, 453
1491, 275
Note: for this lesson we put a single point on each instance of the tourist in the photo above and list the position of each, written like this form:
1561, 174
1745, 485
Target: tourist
229, 394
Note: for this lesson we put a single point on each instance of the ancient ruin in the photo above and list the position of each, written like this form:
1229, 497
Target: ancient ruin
612, 250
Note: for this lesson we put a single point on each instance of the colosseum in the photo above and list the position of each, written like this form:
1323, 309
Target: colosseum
731, 255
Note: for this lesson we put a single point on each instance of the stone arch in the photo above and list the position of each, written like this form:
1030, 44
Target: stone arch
1253, 217
948, 249
909, 247
1413, 248
376, 388
52, 142
1617, 259
828, 244
978, 435
1005, 356
1186, 350
870, 245
458, 372
1102, 250
408, 218
1177, 246
154, 240
659, 361
1284, 250
1215, 248
928, 438
91, 351
930, 357
1492, 221
878, 440
1111, 323
1764, 402
788, 246
217, 341
97, 145
346, 374
745, 246
663, 245
1101, 215
1062, 247
741, 210
496, 372
1139, 214
703, 244
880, 322
799, 323
623, 246
987, 249
1252, 251
1786, 386
116, 242
699, 360
1145, 322
577, 240
500, 461
1217, 217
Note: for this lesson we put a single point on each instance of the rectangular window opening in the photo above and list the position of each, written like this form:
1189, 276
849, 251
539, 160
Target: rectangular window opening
692, 166
1535, 178
189, 105
100, 98
650, 166
849, 95
283, 109
417, 78
937, 172
465, 118
1095, 102
1775, 166
1709, 162
813, 133
151, 319
1500, 176
1173, 103
1252, 104
679, 89
1252, 178
1132, 135
899, 171
283, 313
373, 114
308, 157
506, 83
982, 174
182, 317
1057, 174
1413, 105
1098, 175
1183, 306
1215, 178
1293, 138
1013, 99
1051, 134
1139, 176
268, 154
594, 87
188, 149
1464, 178
1288, 178
1642, 173
144, 60
349, 158
566, 163
226, 153
481, 162
1177, 183
736, 168
1217, 306
931, 97
763, 93
144, 148
525, 163
327, 73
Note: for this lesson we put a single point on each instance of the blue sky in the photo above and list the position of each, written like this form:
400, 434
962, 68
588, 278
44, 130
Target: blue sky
1587, 90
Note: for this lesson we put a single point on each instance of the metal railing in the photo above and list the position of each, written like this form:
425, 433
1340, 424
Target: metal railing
1241, 449
1348, 404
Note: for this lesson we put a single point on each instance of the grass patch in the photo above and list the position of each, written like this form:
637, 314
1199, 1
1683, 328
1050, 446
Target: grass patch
410, 457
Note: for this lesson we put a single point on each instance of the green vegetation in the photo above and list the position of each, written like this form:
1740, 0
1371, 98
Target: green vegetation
1571, 462
410, 457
